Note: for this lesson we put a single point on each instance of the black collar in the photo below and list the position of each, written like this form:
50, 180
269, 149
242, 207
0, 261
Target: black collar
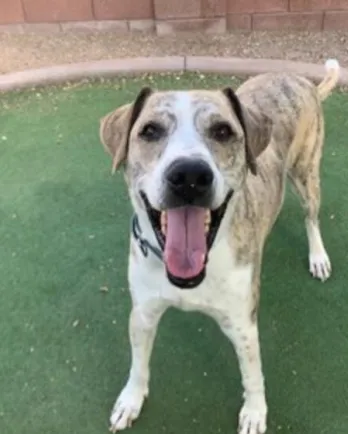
144, 245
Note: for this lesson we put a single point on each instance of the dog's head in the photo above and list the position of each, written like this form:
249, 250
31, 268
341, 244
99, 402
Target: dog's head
186, 154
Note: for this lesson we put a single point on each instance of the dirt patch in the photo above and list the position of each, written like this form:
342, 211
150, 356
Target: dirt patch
20, 52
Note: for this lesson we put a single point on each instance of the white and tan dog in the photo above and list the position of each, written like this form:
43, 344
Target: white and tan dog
206, 173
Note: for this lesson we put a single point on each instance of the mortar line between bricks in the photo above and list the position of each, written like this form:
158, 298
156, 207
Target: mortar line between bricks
25, 18
93, 9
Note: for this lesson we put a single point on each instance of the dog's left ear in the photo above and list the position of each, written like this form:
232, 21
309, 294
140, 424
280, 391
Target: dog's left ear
257, 132
115, 128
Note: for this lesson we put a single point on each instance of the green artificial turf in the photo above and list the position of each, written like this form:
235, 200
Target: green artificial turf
64, 352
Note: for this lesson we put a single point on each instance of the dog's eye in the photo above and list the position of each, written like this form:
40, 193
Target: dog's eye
221, 131
152, 132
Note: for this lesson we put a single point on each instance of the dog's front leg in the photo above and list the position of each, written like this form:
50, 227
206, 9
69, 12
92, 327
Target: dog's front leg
241, 328
143, 325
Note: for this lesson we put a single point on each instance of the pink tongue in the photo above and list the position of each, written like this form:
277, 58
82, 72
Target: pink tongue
185, 249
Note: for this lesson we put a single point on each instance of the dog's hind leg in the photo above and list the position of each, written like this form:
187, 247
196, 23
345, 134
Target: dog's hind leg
304, 174
143, 325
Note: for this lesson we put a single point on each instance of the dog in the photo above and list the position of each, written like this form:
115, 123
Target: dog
206, 173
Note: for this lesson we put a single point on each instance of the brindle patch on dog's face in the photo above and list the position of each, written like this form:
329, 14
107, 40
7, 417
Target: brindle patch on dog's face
186, 120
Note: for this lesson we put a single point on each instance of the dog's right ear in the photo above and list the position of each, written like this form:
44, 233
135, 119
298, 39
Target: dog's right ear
116, 126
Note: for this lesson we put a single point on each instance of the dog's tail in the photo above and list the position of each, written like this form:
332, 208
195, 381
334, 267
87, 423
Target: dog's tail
330, 80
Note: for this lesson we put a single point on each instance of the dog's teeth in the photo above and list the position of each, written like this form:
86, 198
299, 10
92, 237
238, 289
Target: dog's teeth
163, 218
207, 220
207, 217
164, 222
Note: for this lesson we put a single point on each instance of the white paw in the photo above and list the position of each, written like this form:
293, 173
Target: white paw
127, 407
320, 266
252, 417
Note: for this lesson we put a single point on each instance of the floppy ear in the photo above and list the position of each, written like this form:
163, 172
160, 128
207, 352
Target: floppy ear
256, 127
115, 128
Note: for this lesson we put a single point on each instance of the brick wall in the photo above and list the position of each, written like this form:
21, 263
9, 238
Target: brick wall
165, 16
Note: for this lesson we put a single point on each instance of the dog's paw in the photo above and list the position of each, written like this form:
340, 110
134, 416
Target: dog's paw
127, 407
320, 265
253, 415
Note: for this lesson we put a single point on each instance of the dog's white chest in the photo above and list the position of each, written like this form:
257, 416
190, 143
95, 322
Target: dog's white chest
226, 285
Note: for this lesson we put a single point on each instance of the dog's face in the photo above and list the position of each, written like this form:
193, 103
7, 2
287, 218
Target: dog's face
186, 153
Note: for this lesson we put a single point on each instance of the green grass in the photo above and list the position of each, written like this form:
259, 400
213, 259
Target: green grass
64, 234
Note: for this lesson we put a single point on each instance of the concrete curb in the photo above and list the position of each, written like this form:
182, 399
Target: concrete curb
133, 66
249, 67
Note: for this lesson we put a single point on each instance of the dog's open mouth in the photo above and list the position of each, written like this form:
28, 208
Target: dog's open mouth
186, 235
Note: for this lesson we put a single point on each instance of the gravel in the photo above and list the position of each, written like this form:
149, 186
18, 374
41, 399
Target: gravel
23, 51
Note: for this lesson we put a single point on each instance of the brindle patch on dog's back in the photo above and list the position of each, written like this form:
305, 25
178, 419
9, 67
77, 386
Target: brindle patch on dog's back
293, 103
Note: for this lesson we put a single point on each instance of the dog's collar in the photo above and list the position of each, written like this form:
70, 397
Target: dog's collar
143, 244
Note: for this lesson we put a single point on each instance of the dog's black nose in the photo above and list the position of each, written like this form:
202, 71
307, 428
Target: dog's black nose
190, 179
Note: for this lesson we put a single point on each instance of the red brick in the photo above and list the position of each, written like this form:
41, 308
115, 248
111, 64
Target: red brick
213, 8
212, 25
250, 6
336, 20
57, 10
123, 9
239, 22
11, 12
166, 9
288, 21
317, 5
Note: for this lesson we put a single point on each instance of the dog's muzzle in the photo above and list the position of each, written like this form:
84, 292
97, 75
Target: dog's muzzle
187, 225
